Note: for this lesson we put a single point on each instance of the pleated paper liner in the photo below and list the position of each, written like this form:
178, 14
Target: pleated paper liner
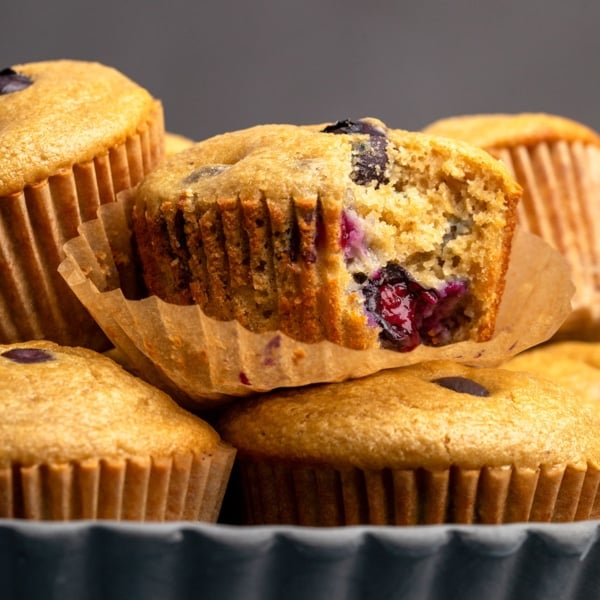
284, 493
561, 203
204, 362
35, 302
179, 487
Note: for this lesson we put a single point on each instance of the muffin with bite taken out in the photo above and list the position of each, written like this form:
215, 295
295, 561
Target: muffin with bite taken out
350, 232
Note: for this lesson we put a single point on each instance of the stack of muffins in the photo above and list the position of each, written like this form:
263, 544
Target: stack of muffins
362, 268
81, 437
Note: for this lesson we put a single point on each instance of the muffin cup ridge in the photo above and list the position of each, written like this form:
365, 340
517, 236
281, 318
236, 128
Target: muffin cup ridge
562, 182
35, 223
287, 493
179, 487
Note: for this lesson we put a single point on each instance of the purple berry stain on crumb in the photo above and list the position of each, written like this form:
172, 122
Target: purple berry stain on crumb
369, 155
11, 81
352, 236
462, 385
244, 378
409, 314
28, 355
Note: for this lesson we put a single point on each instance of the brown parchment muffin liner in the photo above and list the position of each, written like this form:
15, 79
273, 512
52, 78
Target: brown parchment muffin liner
179, 487
561, 204
287, 493
35, 302
205, 362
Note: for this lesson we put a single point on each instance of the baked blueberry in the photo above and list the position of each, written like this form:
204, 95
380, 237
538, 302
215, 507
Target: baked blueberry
11, 81
369, 156
462, 385
408, 313
27, 355
203, 172
348, 126
352, 236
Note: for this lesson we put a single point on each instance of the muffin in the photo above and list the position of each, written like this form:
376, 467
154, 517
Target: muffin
557, 162
431, 443
72, 135
354, 233
175, 142
83, 439
571, 363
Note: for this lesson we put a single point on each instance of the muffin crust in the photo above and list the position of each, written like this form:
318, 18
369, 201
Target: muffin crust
401, 419
79, 404
72, 112
509, 130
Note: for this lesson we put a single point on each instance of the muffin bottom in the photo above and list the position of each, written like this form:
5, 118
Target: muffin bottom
561, 182
35, 223
179, 487
284, 493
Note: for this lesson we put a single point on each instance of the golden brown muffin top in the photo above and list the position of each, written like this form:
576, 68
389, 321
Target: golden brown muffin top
508, 130
402, 419
63, 403
573, 364
284, 161
71, 112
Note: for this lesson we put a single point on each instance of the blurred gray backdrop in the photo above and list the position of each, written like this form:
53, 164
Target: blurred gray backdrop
224, 65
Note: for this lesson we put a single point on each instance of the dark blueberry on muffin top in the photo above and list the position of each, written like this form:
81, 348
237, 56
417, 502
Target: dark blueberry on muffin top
27, 355
369, 156
11, 81
347, 126
463, 385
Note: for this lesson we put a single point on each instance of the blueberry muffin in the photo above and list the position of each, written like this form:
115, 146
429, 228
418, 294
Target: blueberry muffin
72, 135
557, 162
431, 443
350, 232
571, 363
81, 438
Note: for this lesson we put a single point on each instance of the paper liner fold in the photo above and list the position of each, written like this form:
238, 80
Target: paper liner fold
179, 487
35, 223
283, 493
561, 182
205, 362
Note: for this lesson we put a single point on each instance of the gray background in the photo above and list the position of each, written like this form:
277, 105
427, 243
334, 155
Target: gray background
224, 65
